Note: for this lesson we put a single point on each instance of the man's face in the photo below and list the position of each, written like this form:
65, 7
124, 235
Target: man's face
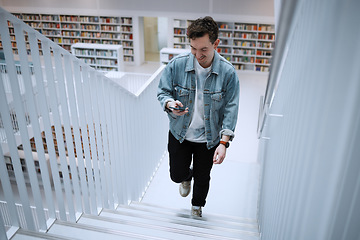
203, 50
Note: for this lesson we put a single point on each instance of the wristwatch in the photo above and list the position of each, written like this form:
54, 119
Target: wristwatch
227, 144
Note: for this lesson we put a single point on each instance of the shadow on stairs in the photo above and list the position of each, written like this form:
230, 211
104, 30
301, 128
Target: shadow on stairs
145, 221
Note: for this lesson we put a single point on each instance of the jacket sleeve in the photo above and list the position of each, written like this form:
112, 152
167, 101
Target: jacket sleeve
231, 106
165, 88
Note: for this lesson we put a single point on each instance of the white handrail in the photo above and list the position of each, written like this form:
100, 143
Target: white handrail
285, 31
102, 142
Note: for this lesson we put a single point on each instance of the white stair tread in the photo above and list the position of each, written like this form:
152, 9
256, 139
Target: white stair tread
22, 234
189, 223
147, 206
224, 220
88, 232
155, 229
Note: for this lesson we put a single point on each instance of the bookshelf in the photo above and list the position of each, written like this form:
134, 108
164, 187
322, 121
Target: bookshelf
66, 30
166, 54
248, 46
104, 57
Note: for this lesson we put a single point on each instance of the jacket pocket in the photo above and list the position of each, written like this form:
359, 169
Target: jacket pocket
182, 95
217, 100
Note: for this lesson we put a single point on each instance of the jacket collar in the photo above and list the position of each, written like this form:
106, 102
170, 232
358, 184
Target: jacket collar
215, 64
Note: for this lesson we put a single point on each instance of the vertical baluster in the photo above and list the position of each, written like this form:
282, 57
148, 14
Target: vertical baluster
34, 117
58, 131
132, 133
95, 96
5, 114
91, 123
101, 85
76, 128
112, 132
35, 123
43, 107
84, 120
67, 130
6, 186
119, 151
141, 127
126, 129
3, 235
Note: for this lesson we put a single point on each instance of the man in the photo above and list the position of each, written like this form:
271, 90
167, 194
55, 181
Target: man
200, 93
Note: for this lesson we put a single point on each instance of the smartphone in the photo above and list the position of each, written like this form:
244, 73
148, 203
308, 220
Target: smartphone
178, 108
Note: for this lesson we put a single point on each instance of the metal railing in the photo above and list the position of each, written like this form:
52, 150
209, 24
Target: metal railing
97, 144
309, 125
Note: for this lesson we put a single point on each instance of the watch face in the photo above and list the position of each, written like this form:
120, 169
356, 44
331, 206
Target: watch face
227, 144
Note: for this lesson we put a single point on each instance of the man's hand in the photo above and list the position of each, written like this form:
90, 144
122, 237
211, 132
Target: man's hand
176, 104
220, 151
219, 154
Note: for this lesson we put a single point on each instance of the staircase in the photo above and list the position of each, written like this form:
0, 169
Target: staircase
145, 221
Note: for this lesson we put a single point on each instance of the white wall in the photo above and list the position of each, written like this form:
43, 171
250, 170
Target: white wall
277, 10
162, 32
259, 10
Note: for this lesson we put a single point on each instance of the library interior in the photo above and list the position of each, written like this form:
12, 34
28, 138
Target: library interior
84, 142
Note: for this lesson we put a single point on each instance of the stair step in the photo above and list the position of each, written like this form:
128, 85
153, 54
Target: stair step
89, 232
22, 234
183, 220
185, 215
155, 228
180, 224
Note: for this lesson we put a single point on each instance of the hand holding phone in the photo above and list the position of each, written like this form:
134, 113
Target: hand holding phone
178, 108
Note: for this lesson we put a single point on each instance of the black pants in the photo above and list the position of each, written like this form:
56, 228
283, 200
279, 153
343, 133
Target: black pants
180, 155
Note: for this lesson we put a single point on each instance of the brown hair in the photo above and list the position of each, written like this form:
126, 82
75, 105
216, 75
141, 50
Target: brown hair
203, 26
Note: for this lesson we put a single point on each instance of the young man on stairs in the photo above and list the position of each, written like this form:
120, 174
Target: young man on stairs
200, 93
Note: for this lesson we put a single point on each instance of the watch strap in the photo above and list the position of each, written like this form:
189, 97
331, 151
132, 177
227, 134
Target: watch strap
226, 144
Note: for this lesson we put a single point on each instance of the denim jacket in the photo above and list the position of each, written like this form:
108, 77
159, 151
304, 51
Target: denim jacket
221, 97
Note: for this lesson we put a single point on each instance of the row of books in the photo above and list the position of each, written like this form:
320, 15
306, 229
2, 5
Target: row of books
265, 45
262, 61
70, 40
128, 59
246, 27
244, 51
84, 52
179, 31
110, 35
127, 44
243, 59
73, 18
108, 62
90, 27
111, 42
249, 67
106, 53
110, 28
128, 51
50, 17
245, 35
263, 53
267, 36
223, 50
70, 34
180, 39
244, 43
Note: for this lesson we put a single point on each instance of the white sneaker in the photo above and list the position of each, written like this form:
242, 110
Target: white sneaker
196, 211
185, 188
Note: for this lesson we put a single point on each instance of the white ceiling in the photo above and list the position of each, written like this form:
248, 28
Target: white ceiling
223, 9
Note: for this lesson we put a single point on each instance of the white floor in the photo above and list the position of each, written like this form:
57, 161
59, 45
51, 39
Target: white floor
235, 183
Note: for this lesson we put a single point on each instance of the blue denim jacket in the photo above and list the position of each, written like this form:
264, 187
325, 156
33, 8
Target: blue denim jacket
221, 97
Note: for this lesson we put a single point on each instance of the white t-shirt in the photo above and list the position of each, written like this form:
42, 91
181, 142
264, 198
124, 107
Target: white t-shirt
196, 131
